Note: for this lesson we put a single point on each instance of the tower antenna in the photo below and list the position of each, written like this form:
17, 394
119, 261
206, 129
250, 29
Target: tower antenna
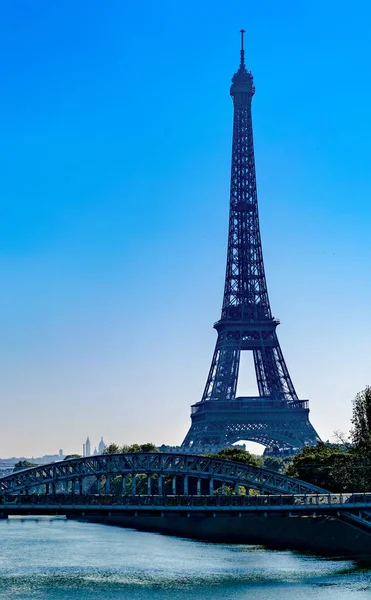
242, 64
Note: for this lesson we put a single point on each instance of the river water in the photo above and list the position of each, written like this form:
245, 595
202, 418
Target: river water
55, 559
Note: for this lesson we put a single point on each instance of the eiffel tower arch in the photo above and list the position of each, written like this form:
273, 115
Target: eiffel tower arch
276, 418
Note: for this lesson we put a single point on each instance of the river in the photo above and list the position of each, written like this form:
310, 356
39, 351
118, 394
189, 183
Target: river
56, 559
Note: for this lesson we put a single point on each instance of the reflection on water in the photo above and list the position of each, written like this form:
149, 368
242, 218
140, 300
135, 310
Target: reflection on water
55, 559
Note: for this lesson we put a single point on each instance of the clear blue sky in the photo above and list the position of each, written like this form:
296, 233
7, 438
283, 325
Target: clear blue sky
115, 122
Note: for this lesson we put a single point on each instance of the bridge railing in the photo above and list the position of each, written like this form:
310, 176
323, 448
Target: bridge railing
218, 501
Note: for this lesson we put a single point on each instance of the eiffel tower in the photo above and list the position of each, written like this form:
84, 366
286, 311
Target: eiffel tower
276, 418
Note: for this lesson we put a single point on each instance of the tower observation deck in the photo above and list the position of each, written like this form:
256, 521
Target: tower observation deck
276, 418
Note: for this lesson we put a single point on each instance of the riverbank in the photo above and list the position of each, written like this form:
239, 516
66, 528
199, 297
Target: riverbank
325, 536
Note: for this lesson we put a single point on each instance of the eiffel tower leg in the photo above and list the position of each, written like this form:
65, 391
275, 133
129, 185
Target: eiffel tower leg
272, 374
223, 375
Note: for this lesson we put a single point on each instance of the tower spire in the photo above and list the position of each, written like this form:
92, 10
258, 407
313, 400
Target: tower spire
242, 51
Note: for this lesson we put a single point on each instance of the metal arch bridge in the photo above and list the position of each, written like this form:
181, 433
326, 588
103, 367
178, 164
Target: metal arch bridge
172, 483
73, 473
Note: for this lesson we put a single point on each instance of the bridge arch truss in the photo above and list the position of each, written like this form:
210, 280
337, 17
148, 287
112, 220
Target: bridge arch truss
165, 473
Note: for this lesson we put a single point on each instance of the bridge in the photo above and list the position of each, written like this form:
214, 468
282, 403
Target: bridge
201, 474
137, 488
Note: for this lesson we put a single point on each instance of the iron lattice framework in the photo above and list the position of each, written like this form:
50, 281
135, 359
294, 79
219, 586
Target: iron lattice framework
178, 465
276, 418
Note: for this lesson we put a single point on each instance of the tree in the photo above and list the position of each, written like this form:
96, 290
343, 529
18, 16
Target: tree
237, 455
280, 465
23, 464
148, 447
112, 449
361, 420
69, 456
125, 449
325, 466
341, 438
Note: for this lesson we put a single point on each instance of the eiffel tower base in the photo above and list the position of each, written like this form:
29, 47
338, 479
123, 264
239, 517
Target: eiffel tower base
282, 429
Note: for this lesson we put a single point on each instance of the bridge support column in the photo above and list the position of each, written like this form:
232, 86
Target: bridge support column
173, 487
81, 487
185, 485
149, 485
123, 485
134, 485
52, 487
211, 487
47, 489
223, 488
160, 485
199, 486
236, 489
108, 484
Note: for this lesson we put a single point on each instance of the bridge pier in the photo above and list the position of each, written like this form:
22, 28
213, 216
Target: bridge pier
173, 487
123, 485
185, 485
199, 486
211, 487
160, 485
149, 485
134, 485
108, 484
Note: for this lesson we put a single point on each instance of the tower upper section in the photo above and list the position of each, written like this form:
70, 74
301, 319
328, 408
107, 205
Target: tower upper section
242, 80
245, 292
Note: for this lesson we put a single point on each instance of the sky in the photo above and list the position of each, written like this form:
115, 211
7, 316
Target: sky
115, 129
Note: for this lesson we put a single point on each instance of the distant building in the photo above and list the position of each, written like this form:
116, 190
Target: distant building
60, 454
83, 450
101, 446
87, 447
95, 451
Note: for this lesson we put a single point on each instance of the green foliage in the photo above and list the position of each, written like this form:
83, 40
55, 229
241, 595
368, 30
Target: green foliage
361, 468
72, 456
148, 447
23, 464
230, 491
111, 449
342, 467
116, 449
237, 455
280, 465
334, 469
361, 420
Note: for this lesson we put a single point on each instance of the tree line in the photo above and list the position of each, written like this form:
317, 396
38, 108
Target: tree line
345, 466
341, 467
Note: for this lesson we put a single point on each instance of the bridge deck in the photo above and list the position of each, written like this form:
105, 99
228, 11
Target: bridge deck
314, 503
